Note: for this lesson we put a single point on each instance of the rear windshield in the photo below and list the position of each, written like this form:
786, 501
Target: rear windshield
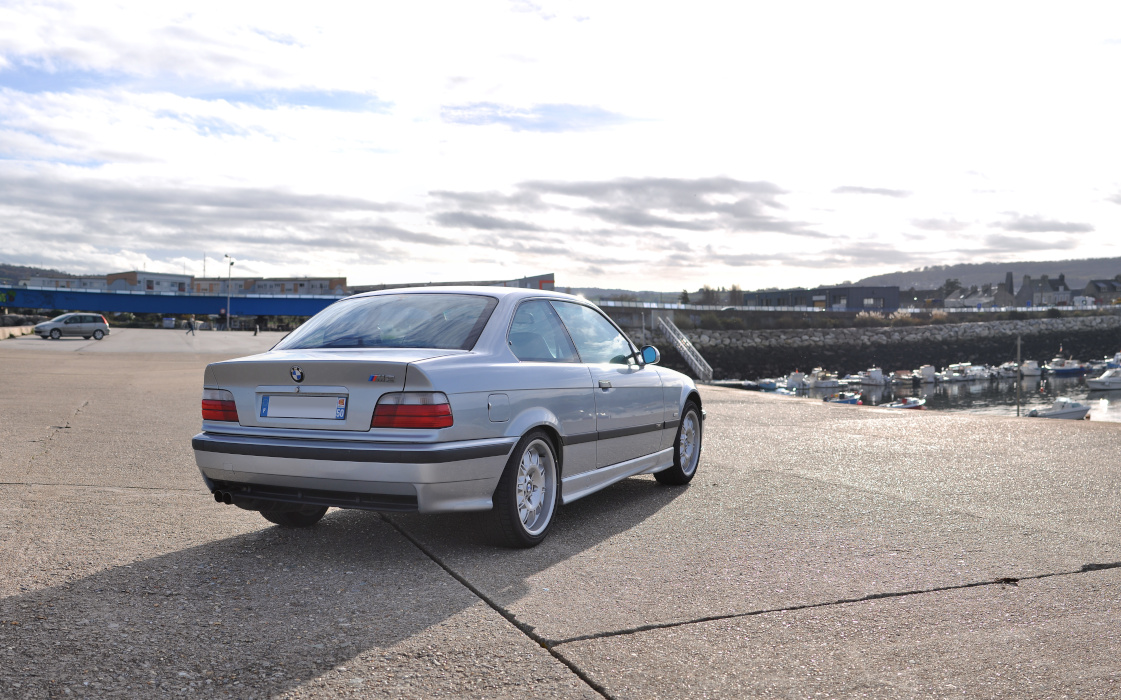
443, 321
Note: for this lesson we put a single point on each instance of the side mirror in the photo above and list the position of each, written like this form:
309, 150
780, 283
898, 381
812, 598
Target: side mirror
650, 355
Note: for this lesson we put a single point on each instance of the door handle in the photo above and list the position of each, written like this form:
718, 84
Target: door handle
604, 384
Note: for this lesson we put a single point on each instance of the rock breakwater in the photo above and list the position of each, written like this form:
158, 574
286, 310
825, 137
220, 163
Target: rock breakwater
746, 354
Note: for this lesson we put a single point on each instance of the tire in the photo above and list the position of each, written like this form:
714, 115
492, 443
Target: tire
86, 337
298, 516
525, 501
55, 334
686, 448
98, 334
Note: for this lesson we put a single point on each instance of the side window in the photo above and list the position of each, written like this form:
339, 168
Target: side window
537, 335
595, 338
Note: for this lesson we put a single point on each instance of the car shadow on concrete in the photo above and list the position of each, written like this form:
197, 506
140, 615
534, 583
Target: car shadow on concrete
256, 614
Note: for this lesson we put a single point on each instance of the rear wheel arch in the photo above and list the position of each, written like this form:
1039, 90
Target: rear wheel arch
555, 441
558, 445
523, 423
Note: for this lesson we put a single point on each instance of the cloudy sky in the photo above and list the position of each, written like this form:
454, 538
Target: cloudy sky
641, 145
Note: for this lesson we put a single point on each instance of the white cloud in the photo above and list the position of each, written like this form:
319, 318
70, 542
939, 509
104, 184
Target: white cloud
342, 124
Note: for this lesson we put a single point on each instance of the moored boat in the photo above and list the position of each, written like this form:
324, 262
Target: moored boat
1007, 370
1064, 408
1110, 379
848, 397
964, 372
1030, 368
1062, 367
821, 379
909, 402
927, 374
902, 376
873, 376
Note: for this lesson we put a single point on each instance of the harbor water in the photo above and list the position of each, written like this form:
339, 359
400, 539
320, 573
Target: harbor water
994, 396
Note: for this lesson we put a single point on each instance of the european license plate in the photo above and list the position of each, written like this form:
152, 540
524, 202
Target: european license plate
323, 407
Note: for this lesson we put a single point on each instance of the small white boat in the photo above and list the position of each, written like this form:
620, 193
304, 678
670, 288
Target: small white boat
1062, 408
1030, 368
909, 402
873, 376
1110, 379
796, 381
820, 379
964, 372
926, 374
1007, 370
902, 376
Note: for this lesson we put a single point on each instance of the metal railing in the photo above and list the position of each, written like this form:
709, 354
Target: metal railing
697, 308
681, 343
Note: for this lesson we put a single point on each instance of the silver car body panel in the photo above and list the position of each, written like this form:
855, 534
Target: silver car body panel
610, 421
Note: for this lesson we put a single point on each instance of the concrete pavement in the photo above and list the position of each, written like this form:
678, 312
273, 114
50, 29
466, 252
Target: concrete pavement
822, 551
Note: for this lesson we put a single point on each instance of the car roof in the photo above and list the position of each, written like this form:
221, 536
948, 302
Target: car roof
497, 292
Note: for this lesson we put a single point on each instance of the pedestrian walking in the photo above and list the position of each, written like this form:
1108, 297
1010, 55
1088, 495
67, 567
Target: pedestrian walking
191, 324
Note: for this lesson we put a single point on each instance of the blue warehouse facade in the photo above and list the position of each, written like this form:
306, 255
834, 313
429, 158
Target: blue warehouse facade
62, 299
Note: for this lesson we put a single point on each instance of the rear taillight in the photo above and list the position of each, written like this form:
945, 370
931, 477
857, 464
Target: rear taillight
413, 409
218, 404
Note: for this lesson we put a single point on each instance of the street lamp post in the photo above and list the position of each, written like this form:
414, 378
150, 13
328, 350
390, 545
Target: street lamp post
229, 278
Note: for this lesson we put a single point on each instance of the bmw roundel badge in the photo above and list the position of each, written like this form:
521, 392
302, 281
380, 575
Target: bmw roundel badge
297, 374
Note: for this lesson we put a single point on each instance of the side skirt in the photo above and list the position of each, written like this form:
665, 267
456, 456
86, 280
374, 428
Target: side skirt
581, 485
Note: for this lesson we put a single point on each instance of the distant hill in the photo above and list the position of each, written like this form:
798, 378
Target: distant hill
11, 274
1078, 273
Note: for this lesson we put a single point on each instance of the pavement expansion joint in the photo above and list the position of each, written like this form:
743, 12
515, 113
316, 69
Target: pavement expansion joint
1002, 581
527, 630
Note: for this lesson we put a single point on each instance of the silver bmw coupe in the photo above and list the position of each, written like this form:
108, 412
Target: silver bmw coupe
445, 399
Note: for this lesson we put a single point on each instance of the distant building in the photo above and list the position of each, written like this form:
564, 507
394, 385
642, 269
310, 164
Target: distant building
1104, 291
832, 298
918, 298
303, 286
65, 282
984, 297
153, 282
1044, 292
778, 297
321, 286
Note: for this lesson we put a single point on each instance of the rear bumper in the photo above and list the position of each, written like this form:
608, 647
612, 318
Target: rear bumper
429, 477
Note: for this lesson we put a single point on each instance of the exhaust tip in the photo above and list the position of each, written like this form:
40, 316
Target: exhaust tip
227, 498
218, 496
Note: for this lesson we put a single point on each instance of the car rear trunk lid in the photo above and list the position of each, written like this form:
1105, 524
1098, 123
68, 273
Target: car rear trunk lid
316, 390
